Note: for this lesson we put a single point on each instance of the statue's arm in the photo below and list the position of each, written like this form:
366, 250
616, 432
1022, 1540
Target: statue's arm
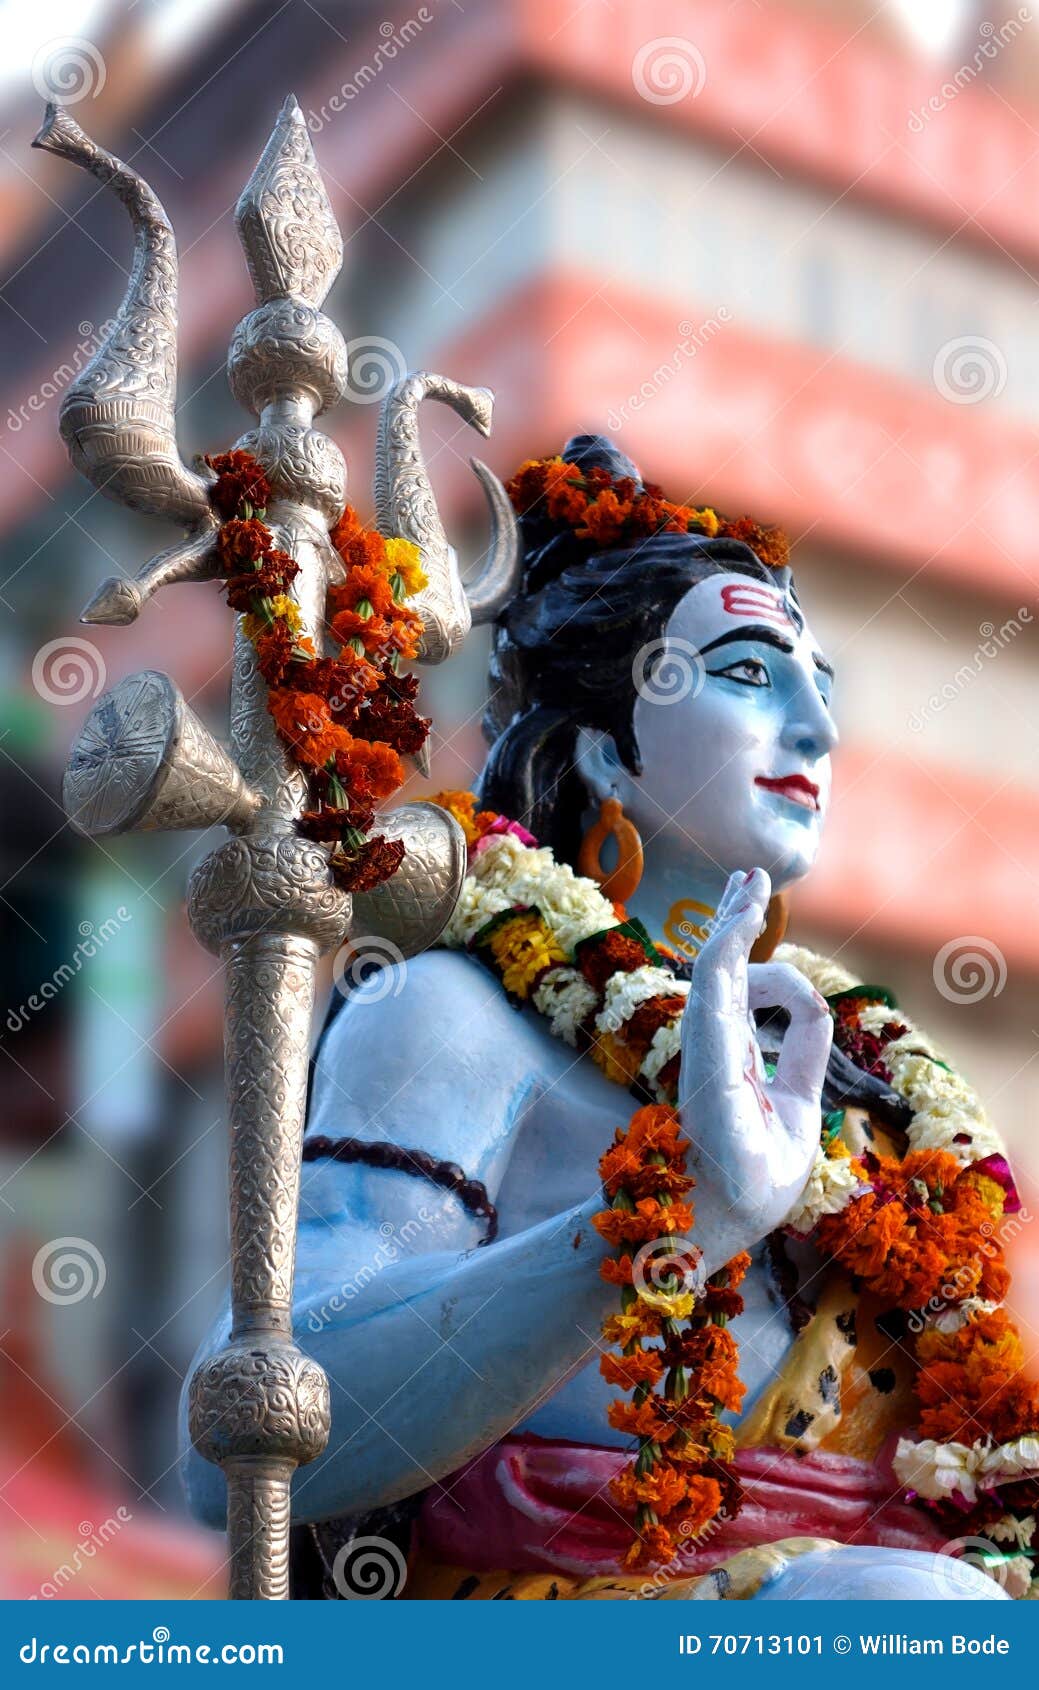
433, 1358
433, 1347
459, 1351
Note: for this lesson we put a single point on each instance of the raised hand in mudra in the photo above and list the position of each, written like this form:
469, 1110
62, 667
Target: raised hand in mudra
754, 1138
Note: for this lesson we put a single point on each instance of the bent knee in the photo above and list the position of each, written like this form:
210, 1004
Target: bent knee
859, 1573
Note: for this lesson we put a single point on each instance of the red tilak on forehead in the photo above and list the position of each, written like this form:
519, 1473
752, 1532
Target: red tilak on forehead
756, 601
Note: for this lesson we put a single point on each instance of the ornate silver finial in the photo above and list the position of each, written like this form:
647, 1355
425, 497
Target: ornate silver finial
117, 418
285, 219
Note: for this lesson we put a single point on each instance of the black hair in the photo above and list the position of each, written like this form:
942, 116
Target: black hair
566, 649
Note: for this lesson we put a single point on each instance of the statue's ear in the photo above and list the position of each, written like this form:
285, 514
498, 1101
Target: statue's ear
597, 762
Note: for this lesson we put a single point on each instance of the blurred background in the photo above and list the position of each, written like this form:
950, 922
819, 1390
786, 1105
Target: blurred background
785, 252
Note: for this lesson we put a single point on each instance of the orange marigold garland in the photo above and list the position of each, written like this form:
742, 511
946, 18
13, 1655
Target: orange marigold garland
345, 720
610, 510
923, 1236
669, 1344
675, 1356
917, 1227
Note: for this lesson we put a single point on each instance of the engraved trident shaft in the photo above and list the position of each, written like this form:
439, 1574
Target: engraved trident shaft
264, 900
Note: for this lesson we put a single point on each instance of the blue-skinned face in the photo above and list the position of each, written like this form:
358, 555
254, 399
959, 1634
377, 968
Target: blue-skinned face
736, 770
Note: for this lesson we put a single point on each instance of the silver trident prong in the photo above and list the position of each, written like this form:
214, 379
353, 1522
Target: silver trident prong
405, 505
119, 599
117, 417
264, 900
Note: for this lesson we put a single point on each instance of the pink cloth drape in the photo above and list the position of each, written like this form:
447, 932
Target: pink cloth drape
536, 1505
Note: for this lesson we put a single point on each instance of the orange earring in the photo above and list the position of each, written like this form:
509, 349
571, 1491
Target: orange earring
776, 918
618, 883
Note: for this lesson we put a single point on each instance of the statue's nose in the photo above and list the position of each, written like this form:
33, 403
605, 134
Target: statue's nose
809, 728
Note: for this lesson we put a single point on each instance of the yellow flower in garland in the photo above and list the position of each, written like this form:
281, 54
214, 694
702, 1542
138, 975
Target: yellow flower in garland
922, 1231
721, 1442
403, 558
283, 609
989, 1190
523, 948
618, 1061
461, 805
673, 1305
625, 1329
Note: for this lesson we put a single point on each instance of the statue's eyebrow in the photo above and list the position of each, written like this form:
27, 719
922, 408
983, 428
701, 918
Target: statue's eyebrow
750, 631
820, 663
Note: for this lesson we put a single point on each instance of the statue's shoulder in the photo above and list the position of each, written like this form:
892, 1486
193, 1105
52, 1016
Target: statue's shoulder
428, 1053
434, 1014
431, 981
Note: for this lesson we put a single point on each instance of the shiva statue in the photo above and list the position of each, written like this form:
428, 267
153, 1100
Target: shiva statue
531, 1337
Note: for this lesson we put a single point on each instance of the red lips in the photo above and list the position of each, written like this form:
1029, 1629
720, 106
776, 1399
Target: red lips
797, 788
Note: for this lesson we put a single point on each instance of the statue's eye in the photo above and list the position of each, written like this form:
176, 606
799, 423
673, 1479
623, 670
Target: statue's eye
749, 671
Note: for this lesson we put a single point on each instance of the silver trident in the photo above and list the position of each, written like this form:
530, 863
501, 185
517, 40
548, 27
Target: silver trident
264, 900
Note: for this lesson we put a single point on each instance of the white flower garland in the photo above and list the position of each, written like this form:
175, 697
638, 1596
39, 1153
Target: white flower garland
1011, 1529
665, 1044
941, 1471
504, 873
831, 1186
945, 1109
947, 1114
955, 1317
624, 993
564, 995
570, 905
